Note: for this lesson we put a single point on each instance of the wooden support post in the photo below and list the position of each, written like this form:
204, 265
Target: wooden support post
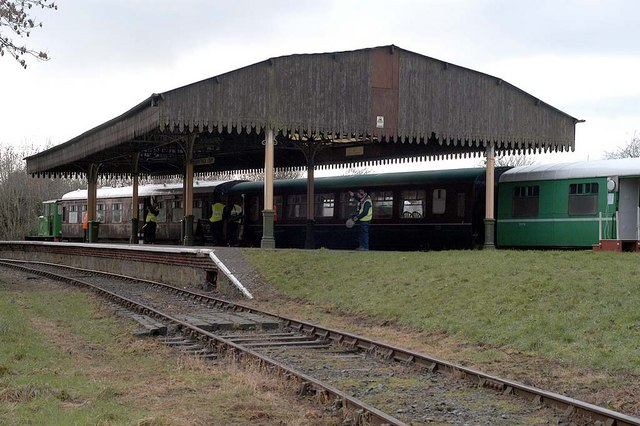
187, 223
268, 240
310, 242
92, 192
135, 213
489, 221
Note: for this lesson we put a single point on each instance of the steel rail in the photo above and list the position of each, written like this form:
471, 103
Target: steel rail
567, 405
371, 415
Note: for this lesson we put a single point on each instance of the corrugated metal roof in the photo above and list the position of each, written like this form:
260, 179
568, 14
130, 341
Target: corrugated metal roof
579, 169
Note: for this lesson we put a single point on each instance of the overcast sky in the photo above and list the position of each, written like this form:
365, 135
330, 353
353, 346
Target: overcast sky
580, 56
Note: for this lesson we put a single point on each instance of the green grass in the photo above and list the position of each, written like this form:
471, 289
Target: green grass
581, 307
39, 380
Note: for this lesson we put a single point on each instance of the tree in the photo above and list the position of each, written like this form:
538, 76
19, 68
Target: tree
510, 161
21, 195
631, 150
16, 18
355, 171
514, 160
277, 174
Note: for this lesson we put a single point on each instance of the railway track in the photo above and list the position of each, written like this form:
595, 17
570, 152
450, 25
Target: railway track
374, 382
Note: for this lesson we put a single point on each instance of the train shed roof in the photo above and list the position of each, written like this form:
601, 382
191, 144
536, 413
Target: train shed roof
362, 107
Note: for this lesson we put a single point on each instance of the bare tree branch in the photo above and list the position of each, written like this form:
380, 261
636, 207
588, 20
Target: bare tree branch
510, 161
631, 150
15, 18
21, 195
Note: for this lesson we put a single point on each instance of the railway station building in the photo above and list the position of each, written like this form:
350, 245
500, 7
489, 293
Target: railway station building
367, 107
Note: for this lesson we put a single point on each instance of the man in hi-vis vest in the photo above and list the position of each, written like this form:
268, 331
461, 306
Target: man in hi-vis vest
151, 223
363, 215
217, 209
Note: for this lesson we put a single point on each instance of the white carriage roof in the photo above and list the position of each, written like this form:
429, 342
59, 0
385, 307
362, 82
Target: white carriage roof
143, 190
580, 169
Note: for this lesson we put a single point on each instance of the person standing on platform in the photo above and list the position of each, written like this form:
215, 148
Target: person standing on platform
85, 226
232, 216
217, 210
151, 223
363, 215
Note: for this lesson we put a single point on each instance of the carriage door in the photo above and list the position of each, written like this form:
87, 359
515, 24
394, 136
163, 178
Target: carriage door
628, 209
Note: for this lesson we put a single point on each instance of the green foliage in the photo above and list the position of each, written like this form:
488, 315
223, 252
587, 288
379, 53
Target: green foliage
577, 306
40, 380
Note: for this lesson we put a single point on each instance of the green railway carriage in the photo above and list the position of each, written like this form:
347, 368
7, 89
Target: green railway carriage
438, 209
50, 222
569, 205
114, 210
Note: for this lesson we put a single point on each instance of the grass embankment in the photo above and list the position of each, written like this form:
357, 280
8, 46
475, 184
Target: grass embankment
580, 307
64, 362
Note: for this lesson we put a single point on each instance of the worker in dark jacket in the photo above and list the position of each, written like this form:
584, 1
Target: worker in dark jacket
363, 215
232, 216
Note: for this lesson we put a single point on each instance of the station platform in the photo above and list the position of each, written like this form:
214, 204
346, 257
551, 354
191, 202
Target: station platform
617, 245
191, 267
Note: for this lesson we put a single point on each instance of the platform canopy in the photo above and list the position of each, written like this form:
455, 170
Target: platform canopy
364, 107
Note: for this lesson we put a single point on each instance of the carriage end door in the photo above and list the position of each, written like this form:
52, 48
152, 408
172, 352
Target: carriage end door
628, 209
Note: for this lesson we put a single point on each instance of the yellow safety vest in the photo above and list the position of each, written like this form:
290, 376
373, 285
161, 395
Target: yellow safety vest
151, 217
216, 212
369, 215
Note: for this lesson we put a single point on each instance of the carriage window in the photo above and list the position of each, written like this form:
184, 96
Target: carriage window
382, 204
296, 206
347, 206
176, 211
583, 198
254, 209
100, 213
73, 214
413, 204
324, 205
439, 201
197, 211
278, 206
116, 213
526, 200
461, 204
162, 208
